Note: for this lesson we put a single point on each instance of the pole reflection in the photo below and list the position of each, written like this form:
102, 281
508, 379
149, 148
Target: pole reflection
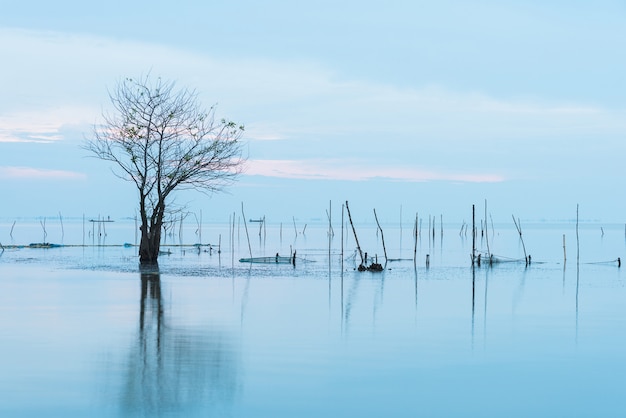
173, 368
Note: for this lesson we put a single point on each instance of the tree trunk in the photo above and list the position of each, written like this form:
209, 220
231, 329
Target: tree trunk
149, 246
150, 243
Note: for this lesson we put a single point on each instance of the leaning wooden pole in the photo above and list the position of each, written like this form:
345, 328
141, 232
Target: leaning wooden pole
358, 247
246, 225
519, 230
382, 237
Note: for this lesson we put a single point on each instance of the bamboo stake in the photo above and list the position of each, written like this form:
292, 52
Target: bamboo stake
428, 233
382, 237
329, 216
577, 239
434, 220
487, 234
43, 225
330, 228
342, 220
519, 230
473, 234
246, 225
62, 231
564, 253
354, 232
419, 234
415, 240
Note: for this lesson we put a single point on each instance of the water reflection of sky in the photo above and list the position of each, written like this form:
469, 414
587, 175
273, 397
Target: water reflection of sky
85, 333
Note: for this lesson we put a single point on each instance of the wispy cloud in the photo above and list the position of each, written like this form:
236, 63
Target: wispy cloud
336, 169
32, 173
311, 109
42, 124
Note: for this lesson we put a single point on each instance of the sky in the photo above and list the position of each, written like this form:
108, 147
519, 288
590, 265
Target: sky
399, 106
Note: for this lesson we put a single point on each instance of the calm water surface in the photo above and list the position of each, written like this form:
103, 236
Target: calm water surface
84, 333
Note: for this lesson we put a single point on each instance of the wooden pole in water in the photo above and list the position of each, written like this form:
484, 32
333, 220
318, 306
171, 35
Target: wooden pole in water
330, 229
232, 242
564, 253
441, 224
354, 232
294, 225
434, 221
43, 225
429, 224
342, 220
473, 234
519, 230
415, 231
577, 238
382, 237
246, 225
62, 231
487, 234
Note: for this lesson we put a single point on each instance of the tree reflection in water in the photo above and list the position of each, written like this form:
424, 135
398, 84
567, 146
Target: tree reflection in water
174, 369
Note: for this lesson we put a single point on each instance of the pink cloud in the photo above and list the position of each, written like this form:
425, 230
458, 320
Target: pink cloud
30, 173
342, 170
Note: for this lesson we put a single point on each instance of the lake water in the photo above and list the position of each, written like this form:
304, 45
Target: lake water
84, 333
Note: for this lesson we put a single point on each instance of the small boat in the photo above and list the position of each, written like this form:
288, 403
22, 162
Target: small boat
269, 260
44, 245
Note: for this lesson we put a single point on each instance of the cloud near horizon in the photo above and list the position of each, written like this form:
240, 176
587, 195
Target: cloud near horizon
279, 98
336, 169
32, 173
43, 124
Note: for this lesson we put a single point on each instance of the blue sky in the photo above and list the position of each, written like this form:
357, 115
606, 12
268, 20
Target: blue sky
432, 106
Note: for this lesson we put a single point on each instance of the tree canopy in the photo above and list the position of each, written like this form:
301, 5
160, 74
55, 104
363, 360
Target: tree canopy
161, 139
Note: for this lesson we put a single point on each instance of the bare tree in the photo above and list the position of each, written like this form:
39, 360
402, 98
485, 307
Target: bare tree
161, 139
